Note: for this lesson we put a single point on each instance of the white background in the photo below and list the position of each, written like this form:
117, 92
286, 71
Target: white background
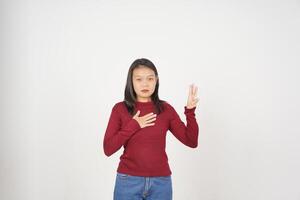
64, 65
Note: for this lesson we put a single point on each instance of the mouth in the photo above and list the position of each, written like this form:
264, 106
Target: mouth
145, 91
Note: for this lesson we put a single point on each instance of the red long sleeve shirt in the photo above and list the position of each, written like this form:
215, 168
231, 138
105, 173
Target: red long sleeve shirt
144, 148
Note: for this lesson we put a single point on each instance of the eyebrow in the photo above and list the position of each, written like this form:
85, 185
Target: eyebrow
146, 76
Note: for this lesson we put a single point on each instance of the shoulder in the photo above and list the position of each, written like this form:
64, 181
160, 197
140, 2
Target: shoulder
118, 106
167, 105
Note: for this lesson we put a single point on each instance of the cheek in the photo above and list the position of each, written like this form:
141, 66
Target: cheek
153, 85
135, 85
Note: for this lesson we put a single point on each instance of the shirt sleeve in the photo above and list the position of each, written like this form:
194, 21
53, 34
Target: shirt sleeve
187, 134
116, 135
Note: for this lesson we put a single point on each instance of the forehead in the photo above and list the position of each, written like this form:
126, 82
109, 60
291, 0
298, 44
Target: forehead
143, 71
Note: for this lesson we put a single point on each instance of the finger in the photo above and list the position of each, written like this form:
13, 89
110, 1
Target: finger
152, 124
151, 116
196, 100
190, 90
150, 120
137, 113
196, 90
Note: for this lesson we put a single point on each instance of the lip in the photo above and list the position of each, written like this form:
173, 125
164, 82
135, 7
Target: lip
145, 90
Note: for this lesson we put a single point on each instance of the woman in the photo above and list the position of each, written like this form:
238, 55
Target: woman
139, 124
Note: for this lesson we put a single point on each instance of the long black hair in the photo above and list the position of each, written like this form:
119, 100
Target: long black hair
130, 95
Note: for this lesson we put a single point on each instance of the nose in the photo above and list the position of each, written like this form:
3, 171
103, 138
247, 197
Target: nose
145, 83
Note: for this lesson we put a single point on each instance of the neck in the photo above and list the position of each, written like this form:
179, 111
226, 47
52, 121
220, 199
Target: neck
143, 100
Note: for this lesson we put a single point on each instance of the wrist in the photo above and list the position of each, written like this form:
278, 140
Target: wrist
190, 107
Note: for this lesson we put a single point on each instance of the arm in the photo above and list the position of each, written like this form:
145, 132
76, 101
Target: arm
115, 136
187, 134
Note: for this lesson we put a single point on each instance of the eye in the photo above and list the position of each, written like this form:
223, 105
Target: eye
151, 79
138, 79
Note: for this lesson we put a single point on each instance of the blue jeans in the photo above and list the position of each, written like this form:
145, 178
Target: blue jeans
128, 187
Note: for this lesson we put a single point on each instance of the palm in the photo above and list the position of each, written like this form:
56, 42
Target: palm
192, 98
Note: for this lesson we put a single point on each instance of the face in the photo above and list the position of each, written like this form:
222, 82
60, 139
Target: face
144, 78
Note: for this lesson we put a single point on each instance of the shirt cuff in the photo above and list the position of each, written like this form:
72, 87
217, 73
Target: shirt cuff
189, 110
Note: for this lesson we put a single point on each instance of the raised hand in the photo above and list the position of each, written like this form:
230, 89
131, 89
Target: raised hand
145, 120
192, 98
